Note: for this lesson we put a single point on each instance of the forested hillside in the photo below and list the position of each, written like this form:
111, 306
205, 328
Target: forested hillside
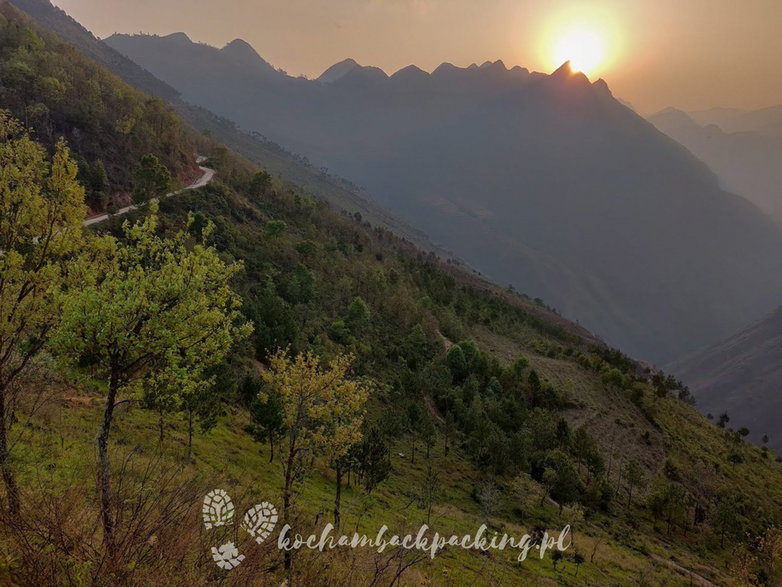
57, 92
253, 146
473, 403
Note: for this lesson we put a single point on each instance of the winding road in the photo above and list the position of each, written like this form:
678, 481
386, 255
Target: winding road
205, 179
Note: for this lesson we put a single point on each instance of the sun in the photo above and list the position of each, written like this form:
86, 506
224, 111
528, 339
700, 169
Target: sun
584, 48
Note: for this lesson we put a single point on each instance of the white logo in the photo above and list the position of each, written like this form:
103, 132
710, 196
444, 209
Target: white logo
227, 556
218, 510
260, 521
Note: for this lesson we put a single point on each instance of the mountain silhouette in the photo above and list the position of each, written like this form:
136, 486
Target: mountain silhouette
542, 181
747, 162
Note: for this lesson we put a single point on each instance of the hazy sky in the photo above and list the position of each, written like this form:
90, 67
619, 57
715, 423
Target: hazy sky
690, 54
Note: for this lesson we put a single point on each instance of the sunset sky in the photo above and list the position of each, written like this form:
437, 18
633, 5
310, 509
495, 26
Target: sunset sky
691, 54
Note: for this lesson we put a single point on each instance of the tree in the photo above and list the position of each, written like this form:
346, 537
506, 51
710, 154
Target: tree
613, 378
429, 491
567, 486
428, 433
448, 429
41, 212
563, 433
358, 315
669, 501
548, 480
267, 421
149, 314
201, 403
374, 459
578, 559
634, 478
723, 420
275, 228
152, 179
260, 184
323, 410
457, 363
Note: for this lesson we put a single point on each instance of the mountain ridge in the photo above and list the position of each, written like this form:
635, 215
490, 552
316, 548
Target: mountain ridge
741, 376
746, 161
531, 178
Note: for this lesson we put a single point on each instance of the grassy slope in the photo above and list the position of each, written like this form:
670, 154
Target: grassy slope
228, 458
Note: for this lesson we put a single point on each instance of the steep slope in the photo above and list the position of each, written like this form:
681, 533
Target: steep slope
742, 376
255, 147
57, 21
545, 182
110, 126
746, 162
496, 408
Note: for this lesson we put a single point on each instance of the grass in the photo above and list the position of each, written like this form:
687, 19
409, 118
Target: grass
57, 451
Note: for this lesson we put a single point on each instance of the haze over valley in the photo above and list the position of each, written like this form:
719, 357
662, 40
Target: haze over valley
545, 182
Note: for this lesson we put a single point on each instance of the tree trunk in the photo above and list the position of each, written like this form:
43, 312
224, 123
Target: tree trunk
11, 488
160, 427
104, 481
189, 434
286, 500
337, 497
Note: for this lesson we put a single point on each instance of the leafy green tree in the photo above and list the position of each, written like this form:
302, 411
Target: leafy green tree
633, 475
613, 378
41, 212
519, 366
563, 433
729, 516
457, 363
323, 410
299, 288
567, 486
374, 459
150, 314
97, 194
152, 180
358, 315
669, 502
275, 228
428, 433
260, 184
267, 421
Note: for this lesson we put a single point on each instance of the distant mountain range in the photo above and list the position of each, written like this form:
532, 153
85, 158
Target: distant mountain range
766, 121
742, 376
254, 146
542, 181
743, 148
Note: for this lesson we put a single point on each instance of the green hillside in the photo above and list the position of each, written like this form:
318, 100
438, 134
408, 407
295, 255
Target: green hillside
56, 91
489, 407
